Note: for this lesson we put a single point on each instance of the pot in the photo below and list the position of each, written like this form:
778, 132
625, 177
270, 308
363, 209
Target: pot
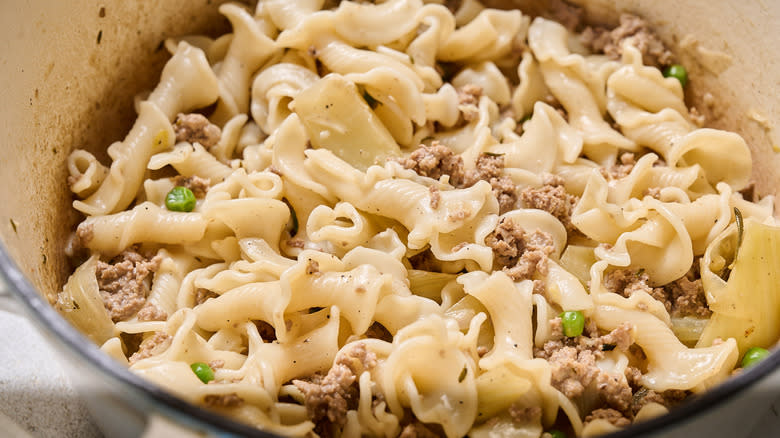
69, 73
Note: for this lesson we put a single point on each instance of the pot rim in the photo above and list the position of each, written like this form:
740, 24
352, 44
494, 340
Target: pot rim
54, 325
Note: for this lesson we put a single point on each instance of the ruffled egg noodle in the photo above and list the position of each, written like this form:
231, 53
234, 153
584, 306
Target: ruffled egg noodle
406, 218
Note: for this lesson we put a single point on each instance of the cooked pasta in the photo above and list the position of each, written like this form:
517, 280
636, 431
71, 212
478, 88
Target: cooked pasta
406, 218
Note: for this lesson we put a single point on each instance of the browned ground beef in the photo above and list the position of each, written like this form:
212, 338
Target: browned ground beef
552, 198
573, 364
122, 283
643, 396
328, 398
437, 160
488, 168
196, 128
635, 29
151, 312
682, 297
468, 101
519, 253
687, 297
469, 94
151, 346
613, 416
434, 161
199, 186
435, 197
621, 169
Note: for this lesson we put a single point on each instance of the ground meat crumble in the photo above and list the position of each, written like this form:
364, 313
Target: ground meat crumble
434, 161
519, 253
151, 312
230, 400
488, 168
628, 281
552, 198
687, 297
84, 234
122, 283
151, 346
626, 164
643, 396
199, 186
611, 415
573, 364
328, 398
573, 369
435, 197
437, 160
468, 101
522, 415
469, 94
634, 29
682, 297
196, 128
417, 429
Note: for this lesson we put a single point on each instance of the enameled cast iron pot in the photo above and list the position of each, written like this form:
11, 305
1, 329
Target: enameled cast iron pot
70, 70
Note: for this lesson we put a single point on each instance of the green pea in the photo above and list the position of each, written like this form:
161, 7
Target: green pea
556, 434
180, 199
754, 356
573, 323
203, 371
677, 71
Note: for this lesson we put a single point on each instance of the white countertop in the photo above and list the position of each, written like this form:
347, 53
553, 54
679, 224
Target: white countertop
36, 396
37, 400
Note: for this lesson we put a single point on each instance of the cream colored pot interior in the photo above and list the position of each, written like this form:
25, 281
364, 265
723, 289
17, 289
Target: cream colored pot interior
70, 70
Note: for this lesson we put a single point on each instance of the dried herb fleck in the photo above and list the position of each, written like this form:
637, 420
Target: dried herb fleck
370, 100
293, 225
462, 375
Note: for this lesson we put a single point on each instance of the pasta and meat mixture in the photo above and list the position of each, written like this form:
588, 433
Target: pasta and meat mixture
406, 218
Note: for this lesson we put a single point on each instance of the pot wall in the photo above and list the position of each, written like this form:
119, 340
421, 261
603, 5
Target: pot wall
69, 71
